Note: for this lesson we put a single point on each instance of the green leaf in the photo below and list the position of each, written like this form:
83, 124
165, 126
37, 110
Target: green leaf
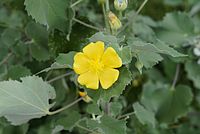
108, 39
26, 100
116, 90
108, 125
149, 54
115, 108
66, 60
69, 121
93, 109
144, 116
39, 52
37, 33
172, 29
51, 13
175, 104
125, 54
167, 104
17, 71
193, 71
10, 36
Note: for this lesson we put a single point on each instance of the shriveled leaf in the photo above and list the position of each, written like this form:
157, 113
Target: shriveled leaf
26, 100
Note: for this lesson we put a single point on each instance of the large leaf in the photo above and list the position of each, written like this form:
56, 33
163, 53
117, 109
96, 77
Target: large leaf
149, 54
173, 30
22, 101
108, 125
51, 13
193, 71
167, 104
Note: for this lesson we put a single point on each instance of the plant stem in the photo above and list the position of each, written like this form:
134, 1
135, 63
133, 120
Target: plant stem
87, 25
75, 3
107, 6
66, 107
125, 115
86, 129
132, 16
59, 77
141, 7
6, 59
176, 76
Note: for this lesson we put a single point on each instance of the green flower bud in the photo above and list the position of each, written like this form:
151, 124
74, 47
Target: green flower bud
101, 1
120, 5
139, 66
115, 23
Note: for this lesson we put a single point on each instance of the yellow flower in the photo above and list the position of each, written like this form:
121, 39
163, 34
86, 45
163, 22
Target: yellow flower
95, 65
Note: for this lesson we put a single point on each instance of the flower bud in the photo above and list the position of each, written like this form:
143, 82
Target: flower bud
101, 1
196, 51
86, 98
115, 23
139, 66
120, 5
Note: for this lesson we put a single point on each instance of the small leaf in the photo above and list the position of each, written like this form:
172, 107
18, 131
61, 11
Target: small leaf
69, 121
39, 52
10, 36
125, 54
144, 116
193, 71
17, 71
93, 109
26, 100
108, 39
66, 60
108, 125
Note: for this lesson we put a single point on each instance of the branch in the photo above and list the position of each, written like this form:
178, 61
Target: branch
6, 59
66, 107
59, 77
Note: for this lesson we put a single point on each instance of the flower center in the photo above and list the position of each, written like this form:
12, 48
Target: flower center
96, 65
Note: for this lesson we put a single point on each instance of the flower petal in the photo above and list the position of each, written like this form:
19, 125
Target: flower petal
94, 50
90, 79
81, 63
108, 77
111, 59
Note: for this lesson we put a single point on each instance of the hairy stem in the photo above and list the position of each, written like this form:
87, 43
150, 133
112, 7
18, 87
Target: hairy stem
6, 59
66, 107
75, 3
86, 129
87, 25
59, 77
